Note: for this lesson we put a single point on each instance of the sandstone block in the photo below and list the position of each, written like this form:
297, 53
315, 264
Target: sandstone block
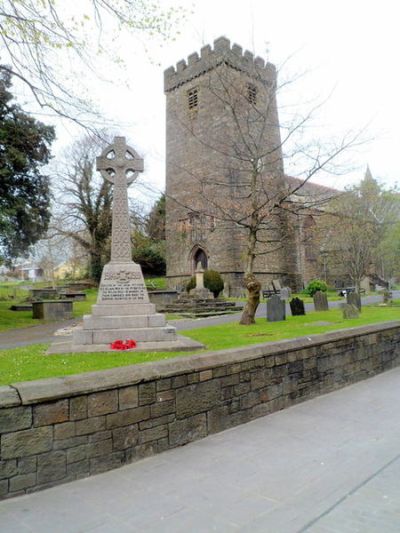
78, 469
64, 430
50, 413
128, 398
78, 408
188, 430
51, 466
156, 433
27, 465
127, 417
8, 468
91, 425
15, 418
163, 408
126, 437
197, 398
102, 464
26, 442
102, 403
101, 435
65, 444
205, 375
79, 453
22, 482
96, 449
147, 393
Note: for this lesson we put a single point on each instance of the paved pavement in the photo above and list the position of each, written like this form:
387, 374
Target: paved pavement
328, 465
44, 333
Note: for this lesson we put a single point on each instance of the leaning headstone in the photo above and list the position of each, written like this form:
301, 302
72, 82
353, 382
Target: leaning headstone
320, 301
297, 307
123, 310
276, 309
276, 284
350, 311
353, 298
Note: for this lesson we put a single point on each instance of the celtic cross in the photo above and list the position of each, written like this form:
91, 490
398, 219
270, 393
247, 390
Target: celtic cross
120, 165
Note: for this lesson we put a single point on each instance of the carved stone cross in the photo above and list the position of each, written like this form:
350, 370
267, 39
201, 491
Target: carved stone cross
120, 164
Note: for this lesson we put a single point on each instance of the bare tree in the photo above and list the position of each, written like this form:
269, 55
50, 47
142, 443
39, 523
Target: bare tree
359, 223
38, 37
84, 202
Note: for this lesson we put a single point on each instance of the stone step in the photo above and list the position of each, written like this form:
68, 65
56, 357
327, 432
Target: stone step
123, 309
106, 336
123, 322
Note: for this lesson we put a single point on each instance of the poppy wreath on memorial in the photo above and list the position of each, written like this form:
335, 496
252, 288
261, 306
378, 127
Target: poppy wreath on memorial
123, 345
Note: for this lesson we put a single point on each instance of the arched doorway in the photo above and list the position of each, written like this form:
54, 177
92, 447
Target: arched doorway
200, 256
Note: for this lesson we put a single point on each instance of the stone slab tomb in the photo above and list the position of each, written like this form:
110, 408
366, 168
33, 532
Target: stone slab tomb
320, 301
123, 309
276, 309
297, 307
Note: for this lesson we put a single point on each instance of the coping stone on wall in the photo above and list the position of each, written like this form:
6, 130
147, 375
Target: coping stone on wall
9, 397
43, 390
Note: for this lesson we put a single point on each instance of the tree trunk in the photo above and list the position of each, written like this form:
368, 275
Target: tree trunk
253, 287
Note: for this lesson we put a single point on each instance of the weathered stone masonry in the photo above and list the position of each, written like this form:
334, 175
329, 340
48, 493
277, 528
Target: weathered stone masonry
57, 430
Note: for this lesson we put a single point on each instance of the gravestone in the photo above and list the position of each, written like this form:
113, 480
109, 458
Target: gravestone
123, 310
353, 298
276, 284
350, 311
320, 301
285, 293
276, 309
297, 307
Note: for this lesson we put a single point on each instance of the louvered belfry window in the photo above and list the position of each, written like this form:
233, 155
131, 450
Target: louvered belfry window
252, 93
193, 99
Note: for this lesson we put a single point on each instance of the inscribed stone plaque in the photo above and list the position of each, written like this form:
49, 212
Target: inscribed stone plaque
276, 309
122, 283
320, 301
350, 311
353, 298
297, 307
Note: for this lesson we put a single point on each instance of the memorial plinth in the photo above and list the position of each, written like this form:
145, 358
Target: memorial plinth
123, 310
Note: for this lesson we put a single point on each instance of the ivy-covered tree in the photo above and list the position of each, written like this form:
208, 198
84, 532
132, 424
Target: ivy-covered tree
24, 190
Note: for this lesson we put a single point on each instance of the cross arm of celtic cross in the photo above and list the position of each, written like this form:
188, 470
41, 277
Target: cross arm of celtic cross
119, 161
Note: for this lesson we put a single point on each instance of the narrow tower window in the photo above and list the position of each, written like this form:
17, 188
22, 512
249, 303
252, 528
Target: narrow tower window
193, 99
252, 93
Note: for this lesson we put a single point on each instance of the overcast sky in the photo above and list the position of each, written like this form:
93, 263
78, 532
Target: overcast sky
349, 49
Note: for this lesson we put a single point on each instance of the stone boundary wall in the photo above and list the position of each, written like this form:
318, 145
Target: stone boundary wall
57, 430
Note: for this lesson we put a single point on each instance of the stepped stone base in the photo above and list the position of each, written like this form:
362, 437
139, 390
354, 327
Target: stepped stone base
180, 343
123, 312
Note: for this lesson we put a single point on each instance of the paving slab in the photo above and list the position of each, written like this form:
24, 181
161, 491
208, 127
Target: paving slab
330, 464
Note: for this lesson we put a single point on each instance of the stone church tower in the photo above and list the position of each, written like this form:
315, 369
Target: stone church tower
221, 117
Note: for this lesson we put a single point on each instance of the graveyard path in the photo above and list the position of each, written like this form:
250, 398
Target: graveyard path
330, 464
44, 333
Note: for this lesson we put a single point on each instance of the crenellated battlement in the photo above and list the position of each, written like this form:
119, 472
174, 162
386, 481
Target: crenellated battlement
209, 58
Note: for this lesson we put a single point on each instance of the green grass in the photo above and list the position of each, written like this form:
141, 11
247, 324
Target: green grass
29, 363
156, 282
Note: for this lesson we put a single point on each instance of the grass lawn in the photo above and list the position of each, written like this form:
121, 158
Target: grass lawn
29, 363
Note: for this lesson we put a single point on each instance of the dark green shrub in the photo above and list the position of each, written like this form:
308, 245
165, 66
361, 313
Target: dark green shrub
212, 281
314, 286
